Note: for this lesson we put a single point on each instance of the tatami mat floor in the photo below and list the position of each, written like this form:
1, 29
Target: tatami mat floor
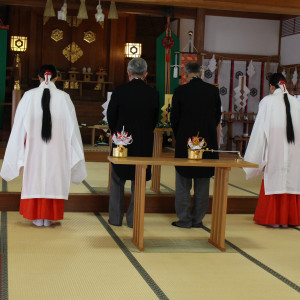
82, 257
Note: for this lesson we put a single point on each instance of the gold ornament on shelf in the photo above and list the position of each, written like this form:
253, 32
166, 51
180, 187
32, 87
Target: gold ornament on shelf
98, 87
89, 36
72, 52
57, 35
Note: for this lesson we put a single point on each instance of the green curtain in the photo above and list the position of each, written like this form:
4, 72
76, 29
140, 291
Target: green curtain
3, 53
161, 67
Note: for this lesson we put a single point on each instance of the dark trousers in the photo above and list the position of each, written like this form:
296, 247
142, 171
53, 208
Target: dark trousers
189, 216
116, 201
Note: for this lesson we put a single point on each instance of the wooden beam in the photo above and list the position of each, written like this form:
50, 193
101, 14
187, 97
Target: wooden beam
288, 7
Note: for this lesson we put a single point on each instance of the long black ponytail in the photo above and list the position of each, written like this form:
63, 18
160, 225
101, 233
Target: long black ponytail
276, 79
46, 131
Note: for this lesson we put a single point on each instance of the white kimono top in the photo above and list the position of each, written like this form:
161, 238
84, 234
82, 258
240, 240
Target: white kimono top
279, 161
48, 167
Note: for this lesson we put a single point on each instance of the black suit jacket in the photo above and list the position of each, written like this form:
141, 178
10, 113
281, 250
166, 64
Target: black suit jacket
135, 106
196, 108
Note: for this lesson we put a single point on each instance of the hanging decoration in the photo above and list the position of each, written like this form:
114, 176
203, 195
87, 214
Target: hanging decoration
167, 46
250, 69
295, 77
112, 14
82, 13
283, 72
89, 36
105, 106
3, 47
57, 35
99, 15
168, 43
49, 11
176, 66
241, 94
166, 109
212, 65
72, 52
62, 13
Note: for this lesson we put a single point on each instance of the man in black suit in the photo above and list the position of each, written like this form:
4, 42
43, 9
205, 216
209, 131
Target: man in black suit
135, 106
196, 110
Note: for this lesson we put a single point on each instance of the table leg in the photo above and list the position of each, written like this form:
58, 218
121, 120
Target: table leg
156, 170
219, 208
93, 136
229, 135
139, 207
109, 165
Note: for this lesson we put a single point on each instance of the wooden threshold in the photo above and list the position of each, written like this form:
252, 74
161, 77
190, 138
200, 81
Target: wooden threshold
157, 203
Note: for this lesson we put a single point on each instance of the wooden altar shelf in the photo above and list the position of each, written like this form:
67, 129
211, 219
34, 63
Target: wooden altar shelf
219, 206
93, 128
233, 117
75, 84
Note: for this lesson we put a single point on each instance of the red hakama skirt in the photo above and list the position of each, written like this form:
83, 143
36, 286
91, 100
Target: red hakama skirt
277, 209
41, 208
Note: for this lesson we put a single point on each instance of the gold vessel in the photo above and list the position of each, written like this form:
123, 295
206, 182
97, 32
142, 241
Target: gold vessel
195, 154
120, 151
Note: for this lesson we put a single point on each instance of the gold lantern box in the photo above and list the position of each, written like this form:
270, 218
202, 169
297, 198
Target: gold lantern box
120, 151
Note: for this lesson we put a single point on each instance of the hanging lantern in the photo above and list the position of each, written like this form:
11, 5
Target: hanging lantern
133, 50
18, 43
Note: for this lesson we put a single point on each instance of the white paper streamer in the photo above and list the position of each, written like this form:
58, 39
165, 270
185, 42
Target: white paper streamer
212, 65
62, 13
99, 15
295, 77
250, 70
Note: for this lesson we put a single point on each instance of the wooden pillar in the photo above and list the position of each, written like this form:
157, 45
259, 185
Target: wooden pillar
199, 32
16, 97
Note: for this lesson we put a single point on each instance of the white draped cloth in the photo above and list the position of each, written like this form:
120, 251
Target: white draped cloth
278, 160
48, 167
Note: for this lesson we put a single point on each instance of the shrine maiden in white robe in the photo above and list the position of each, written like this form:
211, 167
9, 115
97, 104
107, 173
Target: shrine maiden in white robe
48, 167
279, 161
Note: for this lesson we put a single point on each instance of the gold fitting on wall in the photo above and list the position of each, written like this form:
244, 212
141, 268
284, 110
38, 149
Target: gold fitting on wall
17, 85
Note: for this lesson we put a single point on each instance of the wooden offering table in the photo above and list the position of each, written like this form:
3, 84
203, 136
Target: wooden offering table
219, 207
